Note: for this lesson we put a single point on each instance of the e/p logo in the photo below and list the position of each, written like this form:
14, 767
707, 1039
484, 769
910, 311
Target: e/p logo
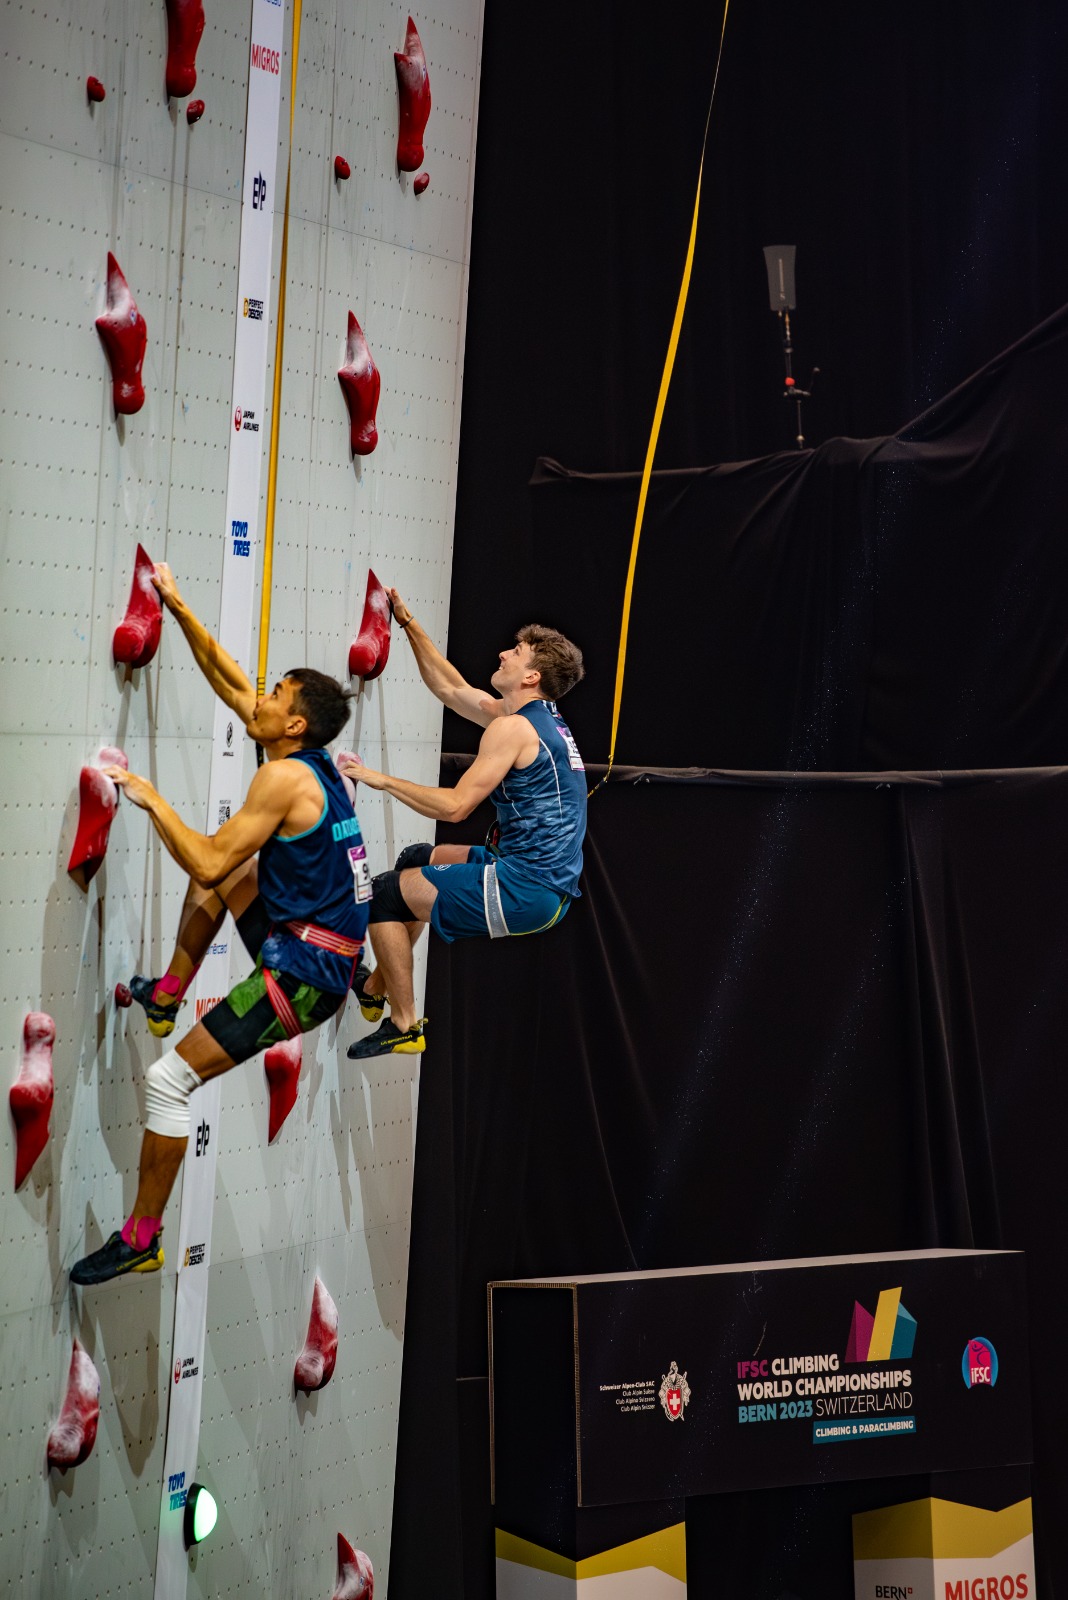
979, 1364
259, 192
203, 1138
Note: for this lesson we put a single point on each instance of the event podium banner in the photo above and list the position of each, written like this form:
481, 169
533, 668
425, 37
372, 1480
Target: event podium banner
614, 1398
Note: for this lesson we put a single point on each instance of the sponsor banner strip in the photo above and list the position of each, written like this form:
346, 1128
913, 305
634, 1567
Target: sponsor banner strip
225, 784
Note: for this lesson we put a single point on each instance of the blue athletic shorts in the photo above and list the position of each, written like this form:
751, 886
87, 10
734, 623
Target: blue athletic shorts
483, 898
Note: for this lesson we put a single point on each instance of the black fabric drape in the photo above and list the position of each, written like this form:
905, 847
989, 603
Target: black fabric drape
882, 603
787, 1017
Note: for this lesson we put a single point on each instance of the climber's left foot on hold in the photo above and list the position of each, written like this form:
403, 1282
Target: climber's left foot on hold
388, 1040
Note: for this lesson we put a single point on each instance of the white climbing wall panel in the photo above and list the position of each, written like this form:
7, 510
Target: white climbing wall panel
78, 490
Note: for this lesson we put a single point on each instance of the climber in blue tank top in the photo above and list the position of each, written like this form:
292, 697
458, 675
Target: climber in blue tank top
527, 874
291, 867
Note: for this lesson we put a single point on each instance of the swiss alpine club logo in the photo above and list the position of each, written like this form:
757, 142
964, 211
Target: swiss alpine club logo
674, 1393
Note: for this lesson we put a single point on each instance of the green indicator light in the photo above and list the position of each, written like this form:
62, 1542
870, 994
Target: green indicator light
201, 1514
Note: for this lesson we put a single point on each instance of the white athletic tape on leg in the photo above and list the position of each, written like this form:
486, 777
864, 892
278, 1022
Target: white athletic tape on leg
168, 1084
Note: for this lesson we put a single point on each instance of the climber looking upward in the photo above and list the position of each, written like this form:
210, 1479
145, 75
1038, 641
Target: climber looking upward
525, 877
301, 912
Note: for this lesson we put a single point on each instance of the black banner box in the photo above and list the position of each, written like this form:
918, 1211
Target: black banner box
656, 1386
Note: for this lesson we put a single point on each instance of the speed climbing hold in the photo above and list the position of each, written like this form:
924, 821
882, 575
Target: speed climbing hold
136, 639
413, 85
315, 1364
73, 1436
98, 801
30, 1096
369, 651
355, 1574
125, 335
361, 385
185, 24
281, 1066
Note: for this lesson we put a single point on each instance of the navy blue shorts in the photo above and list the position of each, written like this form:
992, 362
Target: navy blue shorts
483, 898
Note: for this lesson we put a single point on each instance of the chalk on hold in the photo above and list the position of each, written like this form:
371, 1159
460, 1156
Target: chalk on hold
361, 385
98, 801
355, 1574
125, 334
422, 182
315, 1364
194, 111
30, 1096
185, 24
281, 1066
413, 84
72, 1438
95, 89
136, 639
342, 170
369, 651
123, 996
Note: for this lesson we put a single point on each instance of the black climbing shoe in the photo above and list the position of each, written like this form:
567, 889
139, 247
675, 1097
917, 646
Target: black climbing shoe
389, 1041
161, 1019
115, 1258
371, 1005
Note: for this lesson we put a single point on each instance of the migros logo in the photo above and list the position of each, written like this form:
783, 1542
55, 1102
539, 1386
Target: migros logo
1006, 1587
267, 60
889, 1335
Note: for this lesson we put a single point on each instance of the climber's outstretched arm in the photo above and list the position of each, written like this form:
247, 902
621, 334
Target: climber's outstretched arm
440, 676
220, 669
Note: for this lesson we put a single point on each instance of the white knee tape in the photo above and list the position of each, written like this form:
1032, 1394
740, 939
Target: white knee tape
168, 1084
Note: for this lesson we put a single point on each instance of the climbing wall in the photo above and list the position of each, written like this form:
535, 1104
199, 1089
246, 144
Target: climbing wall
79, 488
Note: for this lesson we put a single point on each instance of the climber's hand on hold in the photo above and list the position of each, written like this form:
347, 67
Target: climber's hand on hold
401, 615
163, 578
139, 790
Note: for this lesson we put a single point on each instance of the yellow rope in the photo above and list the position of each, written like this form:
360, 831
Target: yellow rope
661, 402
276, 392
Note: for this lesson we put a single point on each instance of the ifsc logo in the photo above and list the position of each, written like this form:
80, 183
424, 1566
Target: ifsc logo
979, 1364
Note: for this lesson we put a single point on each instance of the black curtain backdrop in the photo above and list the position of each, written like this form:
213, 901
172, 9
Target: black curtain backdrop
871, 604
788, 1017
789, 1014
913, 153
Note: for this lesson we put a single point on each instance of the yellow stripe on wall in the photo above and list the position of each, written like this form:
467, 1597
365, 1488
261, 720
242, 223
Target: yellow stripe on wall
938, 1529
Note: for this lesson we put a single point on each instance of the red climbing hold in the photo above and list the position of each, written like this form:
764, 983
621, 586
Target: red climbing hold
185, 24
281, 1065
123, 997
413, 84
98, 801
95, 89
421, 183
72, 1438
355, 1574
342, 170
369, 651
136, 639
315, 1364
361, 385
30, 1096
123, 330
194, 111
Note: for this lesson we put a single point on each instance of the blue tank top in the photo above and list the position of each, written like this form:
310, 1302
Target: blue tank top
320, 876
541, 809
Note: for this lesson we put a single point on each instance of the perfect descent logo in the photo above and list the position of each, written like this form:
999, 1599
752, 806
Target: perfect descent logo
674, 1393
979, 1364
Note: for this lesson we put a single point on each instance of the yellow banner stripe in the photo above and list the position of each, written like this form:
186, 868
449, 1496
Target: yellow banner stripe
664, 1550
658, 416
938, 1529
276, 389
